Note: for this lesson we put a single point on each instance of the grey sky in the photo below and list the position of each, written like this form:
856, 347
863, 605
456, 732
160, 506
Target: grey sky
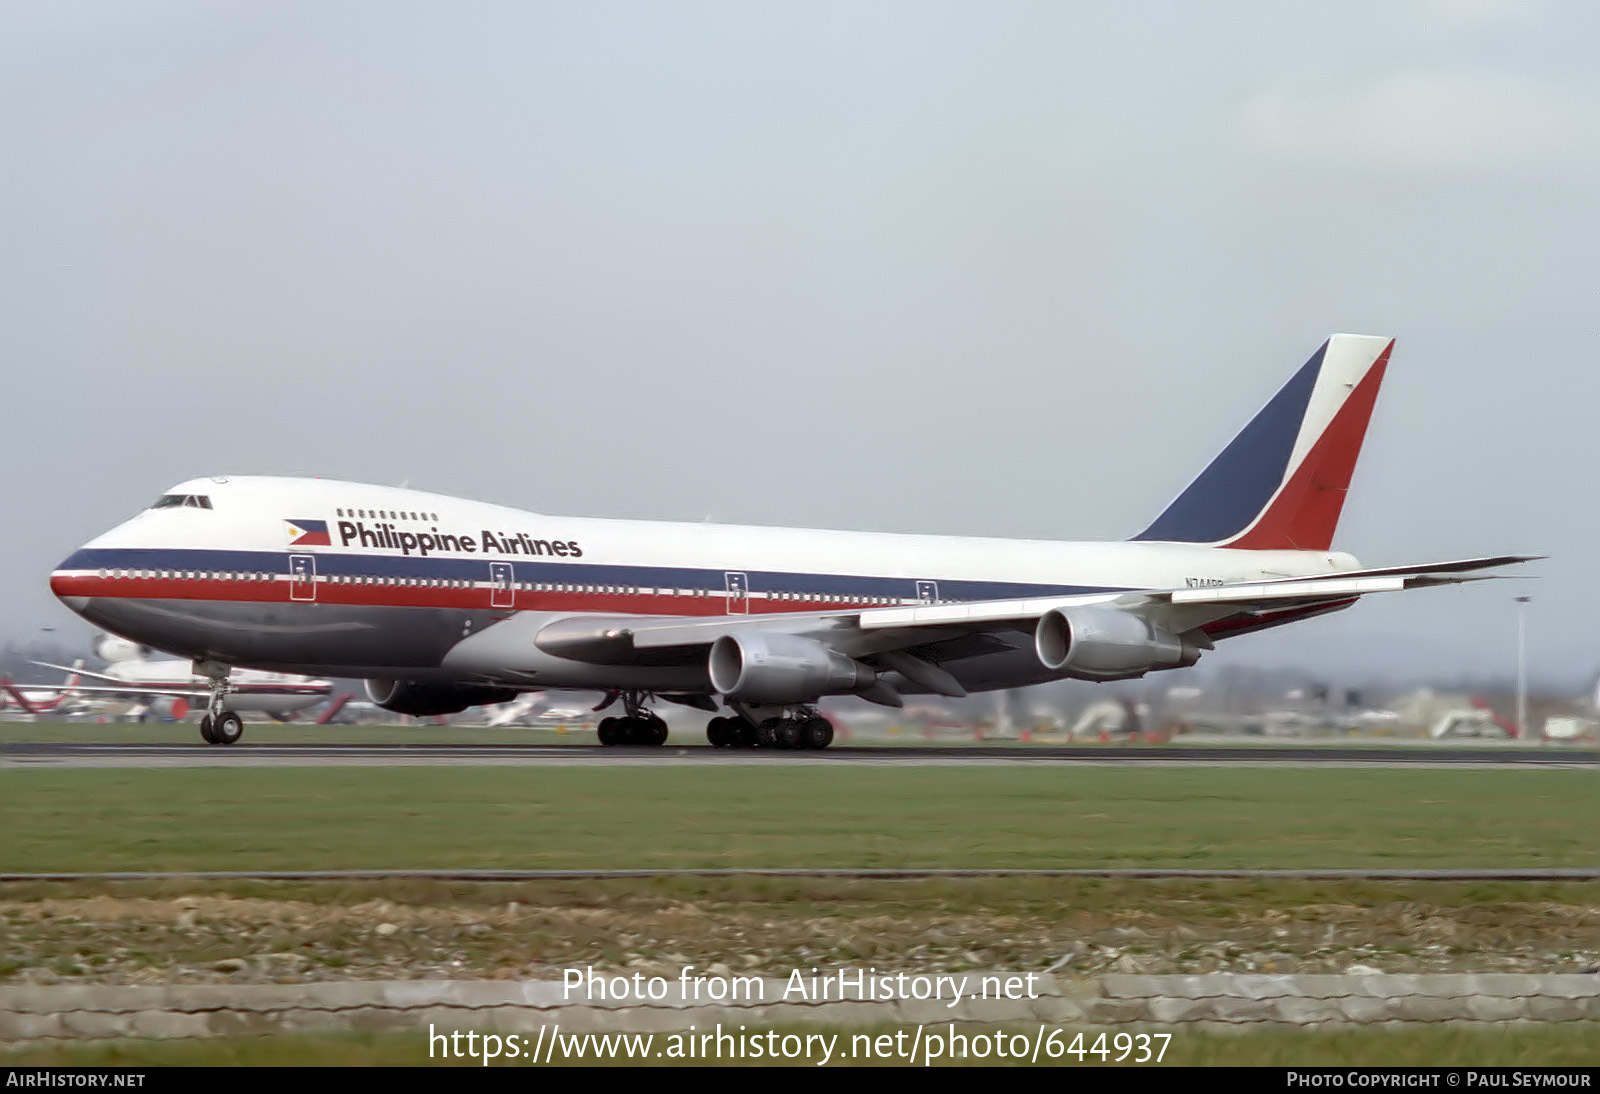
999, 269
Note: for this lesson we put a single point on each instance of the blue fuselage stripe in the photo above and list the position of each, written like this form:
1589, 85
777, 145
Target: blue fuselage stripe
807, 585
1231, 492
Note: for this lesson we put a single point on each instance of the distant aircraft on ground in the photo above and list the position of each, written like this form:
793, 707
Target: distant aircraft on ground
47, 699
1478, 719
442, 603
519, 711
171, 687
534, 708
1583, 724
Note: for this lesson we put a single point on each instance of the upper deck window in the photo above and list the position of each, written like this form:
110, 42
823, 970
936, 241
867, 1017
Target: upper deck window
182, 501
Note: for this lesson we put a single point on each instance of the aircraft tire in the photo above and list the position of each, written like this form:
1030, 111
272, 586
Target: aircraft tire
227, 728
818, 733
767, 733
205, 730
717, 732
790, 734
652, 730
741, 734
607, 731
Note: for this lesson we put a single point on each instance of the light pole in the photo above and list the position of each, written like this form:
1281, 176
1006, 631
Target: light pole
1522, 667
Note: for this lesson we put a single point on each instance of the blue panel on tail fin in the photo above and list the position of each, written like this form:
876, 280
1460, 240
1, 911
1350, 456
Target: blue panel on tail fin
1236, 486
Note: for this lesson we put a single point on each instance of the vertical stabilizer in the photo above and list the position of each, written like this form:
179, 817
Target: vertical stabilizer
1281, 483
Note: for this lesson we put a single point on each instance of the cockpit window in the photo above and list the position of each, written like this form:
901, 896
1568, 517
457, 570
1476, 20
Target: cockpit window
182, 501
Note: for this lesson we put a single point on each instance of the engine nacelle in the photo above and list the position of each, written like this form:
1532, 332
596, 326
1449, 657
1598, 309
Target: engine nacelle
421, 698
108, 647
782, 668
1106, 644
174, 708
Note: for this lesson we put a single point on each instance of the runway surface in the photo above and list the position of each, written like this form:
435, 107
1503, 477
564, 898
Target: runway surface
111, 754
1114, 873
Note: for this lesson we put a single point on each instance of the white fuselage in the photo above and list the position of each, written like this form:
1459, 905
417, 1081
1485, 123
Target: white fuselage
314, 575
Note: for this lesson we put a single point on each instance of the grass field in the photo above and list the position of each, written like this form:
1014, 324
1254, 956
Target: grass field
188, 931
540, 817
1570, 1045
261, 932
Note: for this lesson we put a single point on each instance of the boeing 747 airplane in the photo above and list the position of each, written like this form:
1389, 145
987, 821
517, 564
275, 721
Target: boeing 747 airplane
442, 603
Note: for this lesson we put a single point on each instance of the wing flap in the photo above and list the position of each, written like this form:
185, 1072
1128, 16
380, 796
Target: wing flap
79, 669
1335, 587
983, 611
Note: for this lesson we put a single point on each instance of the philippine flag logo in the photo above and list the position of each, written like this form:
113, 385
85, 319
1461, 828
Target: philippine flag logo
308, 533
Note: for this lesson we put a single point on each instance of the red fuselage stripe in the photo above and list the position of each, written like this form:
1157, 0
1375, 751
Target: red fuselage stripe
1306, 512
481, 597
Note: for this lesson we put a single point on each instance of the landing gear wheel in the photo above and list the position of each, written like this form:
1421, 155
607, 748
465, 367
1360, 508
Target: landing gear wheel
227, 728
650, 729
219, 725
817, 733
717, 733
789, 734
767, 733
741, 734
607, 731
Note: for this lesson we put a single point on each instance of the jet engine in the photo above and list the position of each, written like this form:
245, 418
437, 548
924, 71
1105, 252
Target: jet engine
422, 698
108, 647
174, 708
782, 668
1106, 644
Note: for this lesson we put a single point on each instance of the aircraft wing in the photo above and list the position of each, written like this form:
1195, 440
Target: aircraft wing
1186, 609
116, 685
934, 631
124, 689
81, 671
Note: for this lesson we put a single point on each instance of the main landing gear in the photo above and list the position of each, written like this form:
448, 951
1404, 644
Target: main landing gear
219, 726
805, 729
637, 727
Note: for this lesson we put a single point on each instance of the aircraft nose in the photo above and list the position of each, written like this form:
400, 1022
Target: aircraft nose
69, 583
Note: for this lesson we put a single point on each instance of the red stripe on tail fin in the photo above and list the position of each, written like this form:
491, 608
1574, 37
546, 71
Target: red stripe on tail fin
16, 695
1306, 511
333, 709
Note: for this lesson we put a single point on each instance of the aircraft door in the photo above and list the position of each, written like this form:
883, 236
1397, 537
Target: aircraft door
502, 593
928, 592
738, 594
302, 577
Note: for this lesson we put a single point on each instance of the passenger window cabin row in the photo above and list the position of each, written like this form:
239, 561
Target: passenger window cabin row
456, 583
386, 514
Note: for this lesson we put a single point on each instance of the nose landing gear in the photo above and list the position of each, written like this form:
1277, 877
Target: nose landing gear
219, 726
